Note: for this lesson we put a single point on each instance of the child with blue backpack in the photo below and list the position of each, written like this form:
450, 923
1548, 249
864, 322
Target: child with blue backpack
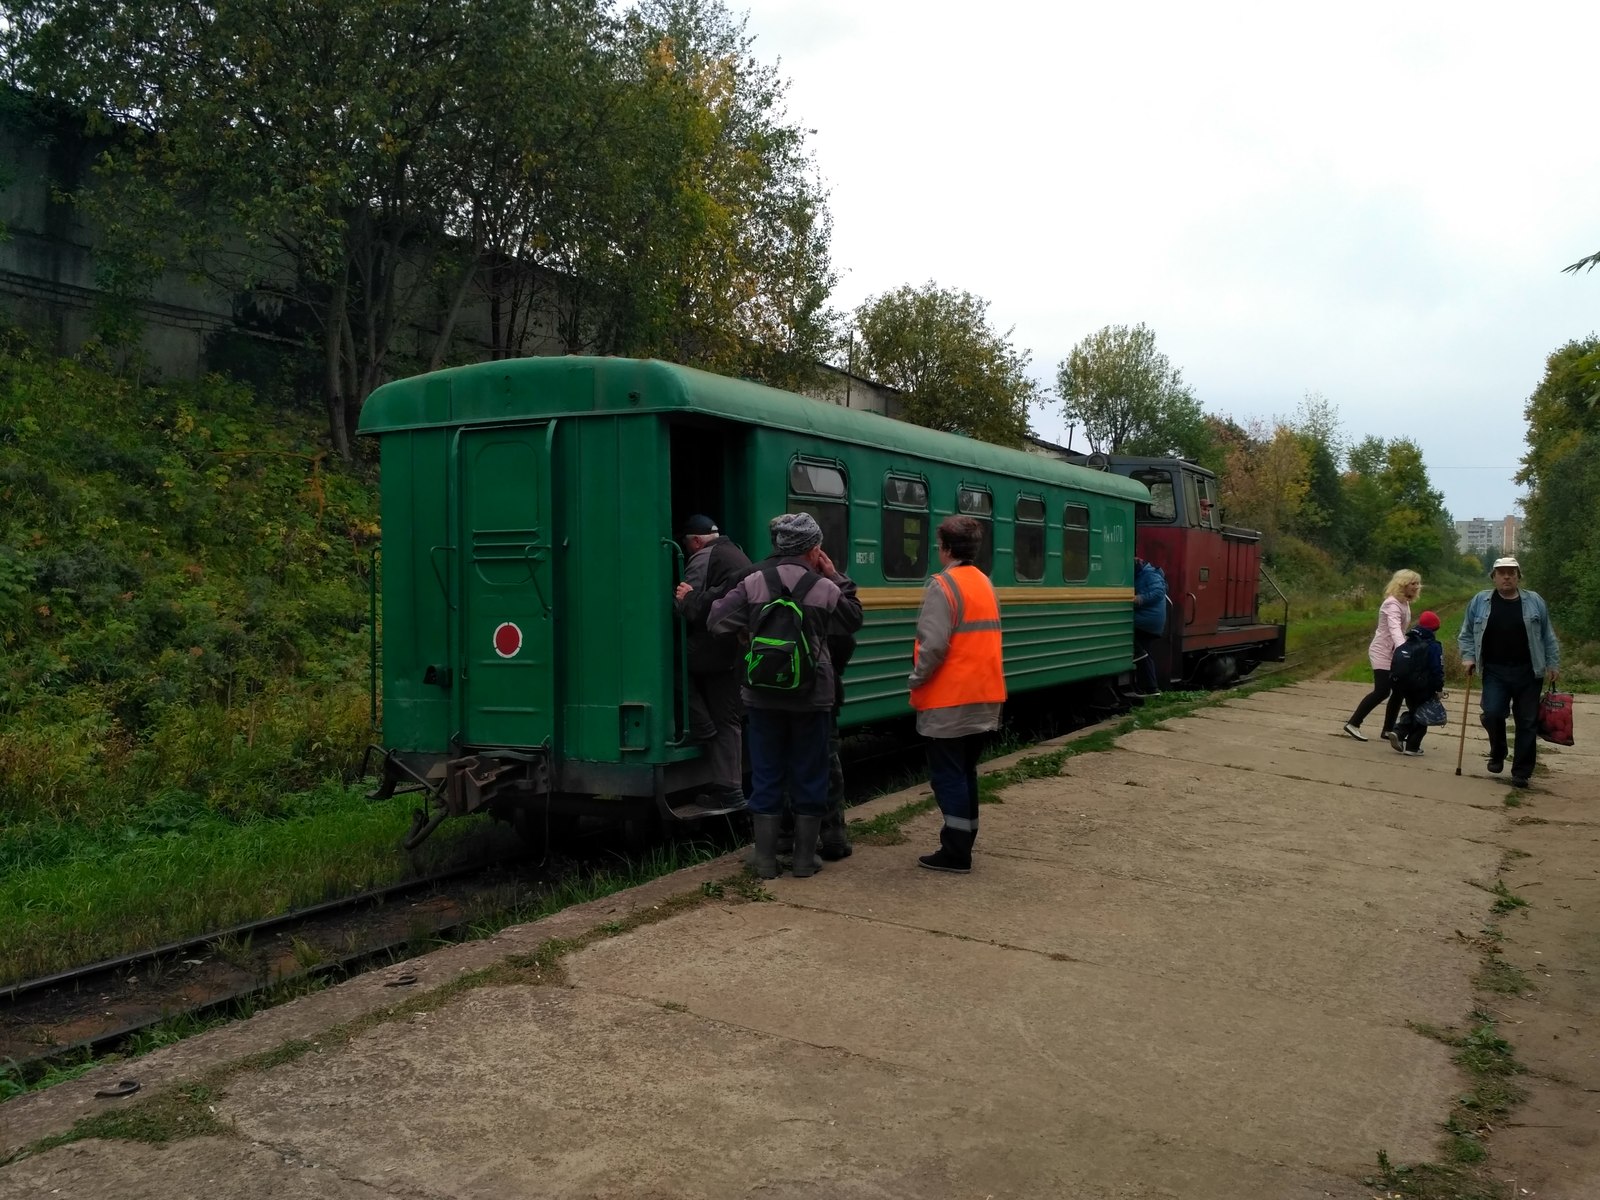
1417, 675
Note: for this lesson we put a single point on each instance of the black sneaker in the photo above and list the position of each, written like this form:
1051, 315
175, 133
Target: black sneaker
1393, 739
1496, 765
943, 860
1519, 781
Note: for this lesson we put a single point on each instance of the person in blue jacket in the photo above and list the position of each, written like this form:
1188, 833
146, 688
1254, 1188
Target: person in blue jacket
1149, 622
1410, 728
1506, 639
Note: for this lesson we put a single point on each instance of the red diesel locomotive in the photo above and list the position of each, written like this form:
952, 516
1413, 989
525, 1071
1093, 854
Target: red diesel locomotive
1215, 632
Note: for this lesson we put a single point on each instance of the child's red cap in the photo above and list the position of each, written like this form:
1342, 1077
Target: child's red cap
1429, 620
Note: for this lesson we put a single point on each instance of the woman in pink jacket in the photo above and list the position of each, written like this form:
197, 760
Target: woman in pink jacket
1394, 618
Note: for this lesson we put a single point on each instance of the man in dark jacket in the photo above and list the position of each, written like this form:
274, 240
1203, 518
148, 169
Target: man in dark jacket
789, 729
716, 713
1149, 622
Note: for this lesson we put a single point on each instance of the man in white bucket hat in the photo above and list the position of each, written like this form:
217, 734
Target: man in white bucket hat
1506, 638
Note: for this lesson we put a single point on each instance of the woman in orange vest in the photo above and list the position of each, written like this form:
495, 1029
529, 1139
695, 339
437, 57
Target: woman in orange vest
958, 683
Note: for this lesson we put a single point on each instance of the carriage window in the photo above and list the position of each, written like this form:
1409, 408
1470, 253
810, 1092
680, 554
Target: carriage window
1028, 556
1210, 510
816, 479
1161, 506
905, 528
819, 489
978, 503
1075, 543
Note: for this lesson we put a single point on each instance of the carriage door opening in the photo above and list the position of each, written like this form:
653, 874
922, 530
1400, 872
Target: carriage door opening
506, 586
707, 476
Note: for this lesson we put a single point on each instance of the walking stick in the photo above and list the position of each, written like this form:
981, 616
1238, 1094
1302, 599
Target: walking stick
1465, 704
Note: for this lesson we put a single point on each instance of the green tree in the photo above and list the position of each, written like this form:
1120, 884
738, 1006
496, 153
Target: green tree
953, 371
1321, 518
1562, 472
1128, 398
1394, 517
310, 151
367, 167
1266, 480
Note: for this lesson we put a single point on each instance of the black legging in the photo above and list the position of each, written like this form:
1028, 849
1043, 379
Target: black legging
1381, 689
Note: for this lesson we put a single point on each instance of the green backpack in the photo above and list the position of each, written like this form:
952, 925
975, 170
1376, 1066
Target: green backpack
780, 657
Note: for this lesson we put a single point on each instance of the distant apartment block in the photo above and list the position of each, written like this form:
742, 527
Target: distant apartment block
1489, 538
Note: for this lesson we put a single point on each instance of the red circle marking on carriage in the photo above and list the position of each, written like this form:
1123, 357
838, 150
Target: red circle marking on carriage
507, 640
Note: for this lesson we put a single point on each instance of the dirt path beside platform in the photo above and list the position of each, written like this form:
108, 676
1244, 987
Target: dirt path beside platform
1223, 959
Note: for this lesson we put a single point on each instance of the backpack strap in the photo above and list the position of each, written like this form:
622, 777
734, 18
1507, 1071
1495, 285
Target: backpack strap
775, 588
803, 588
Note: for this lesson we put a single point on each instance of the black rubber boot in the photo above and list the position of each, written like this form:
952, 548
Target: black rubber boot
806, 831
763, 858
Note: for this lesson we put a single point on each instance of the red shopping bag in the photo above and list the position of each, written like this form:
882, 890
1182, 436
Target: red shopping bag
1555, 717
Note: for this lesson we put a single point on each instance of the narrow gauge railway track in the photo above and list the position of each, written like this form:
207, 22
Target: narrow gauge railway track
98, 1006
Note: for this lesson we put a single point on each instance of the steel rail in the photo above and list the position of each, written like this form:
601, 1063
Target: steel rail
11, 993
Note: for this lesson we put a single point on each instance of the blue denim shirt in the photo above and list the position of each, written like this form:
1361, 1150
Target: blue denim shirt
1542, 647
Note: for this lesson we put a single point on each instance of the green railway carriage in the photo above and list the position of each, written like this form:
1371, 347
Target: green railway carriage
531, 658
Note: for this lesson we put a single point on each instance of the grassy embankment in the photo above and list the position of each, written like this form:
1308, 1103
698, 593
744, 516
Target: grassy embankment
183, 664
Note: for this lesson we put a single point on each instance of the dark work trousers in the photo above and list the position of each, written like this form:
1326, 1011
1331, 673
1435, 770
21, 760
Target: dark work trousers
1145, 663
1514, 690
953, 772
716, 715
789, 753
1381, 690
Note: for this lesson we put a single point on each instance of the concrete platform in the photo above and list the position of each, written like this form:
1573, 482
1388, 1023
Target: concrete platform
1186, 967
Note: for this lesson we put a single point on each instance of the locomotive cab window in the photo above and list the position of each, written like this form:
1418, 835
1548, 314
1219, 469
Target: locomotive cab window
819, 488
905, 528
978, 503
1028, 556
1075, 543
1210, 510
1162, 507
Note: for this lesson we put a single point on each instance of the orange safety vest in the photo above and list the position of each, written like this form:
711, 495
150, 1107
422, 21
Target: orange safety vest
972, 671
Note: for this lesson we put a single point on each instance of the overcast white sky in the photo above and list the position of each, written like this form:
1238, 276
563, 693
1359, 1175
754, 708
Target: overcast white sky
1373, 202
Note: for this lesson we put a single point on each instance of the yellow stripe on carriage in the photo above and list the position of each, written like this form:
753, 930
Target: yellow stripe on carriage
911, 597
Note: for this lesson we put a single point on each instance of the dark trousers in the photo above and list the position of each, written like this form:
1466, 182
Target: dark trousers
789, 754
1412, 728
1145, 663
1381, 690
953, 772
1514, 690
716, 720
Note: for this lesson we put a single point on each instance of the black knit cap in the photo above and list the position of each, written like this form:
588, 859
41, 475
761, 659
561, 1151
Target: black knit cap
699, 524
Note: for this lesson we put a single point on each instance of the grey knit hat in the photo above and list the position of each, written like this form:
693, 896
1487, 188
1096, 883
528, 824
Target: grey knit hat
794, 533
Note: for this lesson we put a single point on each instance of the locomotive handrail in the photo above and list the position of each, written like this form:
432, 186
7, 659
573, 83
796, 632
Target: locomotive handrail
1267, 575
1191, 613
680, 711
